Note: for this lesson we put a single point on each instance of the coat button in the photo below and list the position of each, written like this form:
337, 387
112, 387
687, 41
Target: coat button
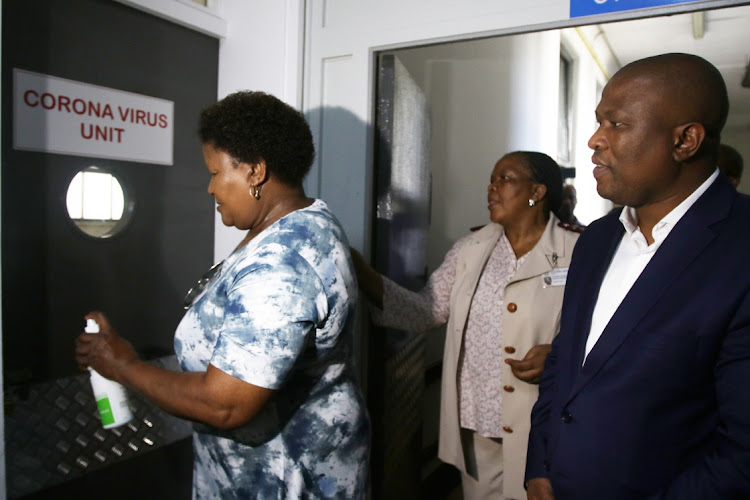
512, 307
567, 417
509, 388
508, 429
510, 349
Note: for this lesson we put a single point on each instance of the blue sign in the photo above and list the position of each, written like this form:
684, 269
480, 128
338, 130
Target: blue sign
579, 8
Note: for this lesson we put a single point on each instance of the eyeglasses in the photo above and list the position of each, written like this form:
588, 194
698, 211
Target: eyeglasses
198, 288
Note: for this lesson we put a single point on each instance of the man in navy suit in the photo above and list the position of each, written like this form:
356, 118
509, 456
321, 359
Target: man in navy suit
646, 393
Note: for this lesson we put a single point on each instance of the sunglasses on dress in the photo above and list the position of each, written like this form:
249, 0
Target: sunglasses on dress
201, 285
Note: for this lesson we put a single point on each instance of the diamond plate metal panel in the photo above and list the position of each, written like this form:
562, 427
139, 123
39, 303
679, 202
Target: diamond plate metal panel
404, 394
53, 433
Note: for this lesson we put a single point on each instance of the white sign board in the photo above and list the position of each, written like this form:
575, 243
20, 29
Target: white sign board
56, 115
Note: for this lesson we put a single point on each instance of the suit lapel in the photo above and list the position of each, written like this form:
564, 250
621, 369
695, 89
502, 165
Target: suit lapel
685, 243
588, 287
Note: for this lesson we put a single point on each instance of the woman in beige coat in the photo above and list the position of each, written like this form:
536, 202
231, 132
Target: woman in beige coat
500, 290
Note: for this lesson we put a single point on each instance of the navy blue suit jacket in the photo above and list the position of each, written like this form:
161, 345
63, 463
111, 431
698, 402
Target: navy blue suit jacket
661, 409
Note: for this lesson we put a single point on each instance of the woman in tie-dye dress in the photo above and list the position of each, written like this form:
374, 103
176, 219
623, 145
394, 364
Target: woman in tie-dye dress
265, 345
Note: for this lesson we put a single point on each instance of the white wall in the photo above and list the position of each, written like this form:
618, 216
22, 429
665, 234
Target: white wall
342, 38
492, 96
586, 75
262, 51
487, 98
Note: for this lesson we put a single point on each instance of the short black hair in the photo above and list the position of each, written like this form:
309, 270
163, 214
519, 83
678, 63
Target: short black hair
545, 170
251, 126
697, 87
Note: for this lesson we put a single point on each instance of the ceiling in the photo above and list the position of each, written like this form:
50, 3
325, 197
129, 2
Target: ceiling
725, 43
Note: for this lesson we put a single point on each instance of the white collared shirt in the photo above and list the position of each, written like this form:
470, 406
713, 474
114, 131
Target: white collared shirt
632, 256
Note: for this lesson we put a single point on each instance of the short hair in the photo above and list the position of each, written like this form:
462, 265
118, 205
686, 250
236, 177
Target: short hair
251, 126
730, 161
697, 87
544, 170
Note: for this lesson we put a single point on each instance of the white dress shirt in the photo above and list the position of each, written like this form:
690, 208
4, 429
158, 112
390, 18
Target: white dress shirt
632, 256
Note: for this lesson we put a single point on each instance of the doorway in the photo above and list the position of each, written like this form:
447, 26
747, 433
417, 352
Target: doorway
497, 94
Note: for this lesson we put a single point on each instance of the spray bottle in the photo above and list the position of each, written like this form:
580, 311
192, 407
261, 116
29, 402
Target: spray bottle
111, 397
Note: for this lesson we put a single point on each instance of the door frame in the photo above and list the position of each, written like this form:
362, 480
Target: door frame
340, 72
340, 69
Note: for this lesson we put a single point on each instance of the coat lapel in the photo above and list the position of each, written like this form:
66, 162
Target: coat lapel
470, 264
546, 255
476, 253
685, 242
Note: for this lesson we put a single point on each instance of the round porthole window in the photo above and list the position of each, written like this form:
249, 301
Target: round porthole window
97, 203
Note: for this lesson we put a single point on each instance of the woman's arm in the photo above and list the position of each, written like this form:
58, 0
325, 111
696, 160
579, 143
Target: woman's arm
369, 280
398, 307
212, 397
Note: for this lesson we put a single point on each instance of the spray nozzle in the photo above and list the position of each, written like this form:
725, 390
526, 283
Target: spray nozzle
91, 326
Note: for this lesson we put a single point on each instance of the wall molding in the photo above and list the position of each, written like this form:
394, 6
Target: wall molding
187, 14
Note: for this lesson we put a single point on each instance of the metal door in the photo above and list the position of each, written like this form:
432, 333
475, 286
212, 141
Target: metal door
402, 180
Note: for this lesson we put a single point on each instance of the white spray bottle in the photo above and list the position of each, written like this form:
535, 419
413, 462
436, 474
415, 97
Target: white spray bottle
111, 397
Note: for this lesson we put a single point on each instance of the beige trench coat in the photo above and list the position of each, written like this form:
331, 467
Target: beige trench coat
534, 319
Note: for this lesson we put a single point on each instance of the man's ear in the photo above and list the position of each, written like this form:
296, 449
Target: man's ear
257, 174
688, 139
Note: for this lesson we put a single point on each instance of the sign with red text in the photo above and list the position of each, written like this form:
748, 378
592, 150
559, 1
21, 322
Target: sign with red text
55, 115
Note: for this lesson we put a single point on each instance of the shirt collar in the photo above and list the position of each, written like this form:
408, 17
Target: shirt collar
629, 218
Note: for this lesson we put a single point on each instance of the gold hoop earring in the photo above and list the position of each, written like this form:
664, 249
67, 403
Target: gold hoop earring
531, 202
255, 192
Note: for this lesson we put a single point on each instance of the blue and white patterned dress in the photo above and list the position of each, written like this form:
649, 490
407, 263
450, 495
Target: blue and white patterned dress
280, 315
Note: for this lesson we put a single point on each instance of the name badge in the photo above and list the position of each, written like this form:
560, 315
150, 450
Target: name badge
556, 277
